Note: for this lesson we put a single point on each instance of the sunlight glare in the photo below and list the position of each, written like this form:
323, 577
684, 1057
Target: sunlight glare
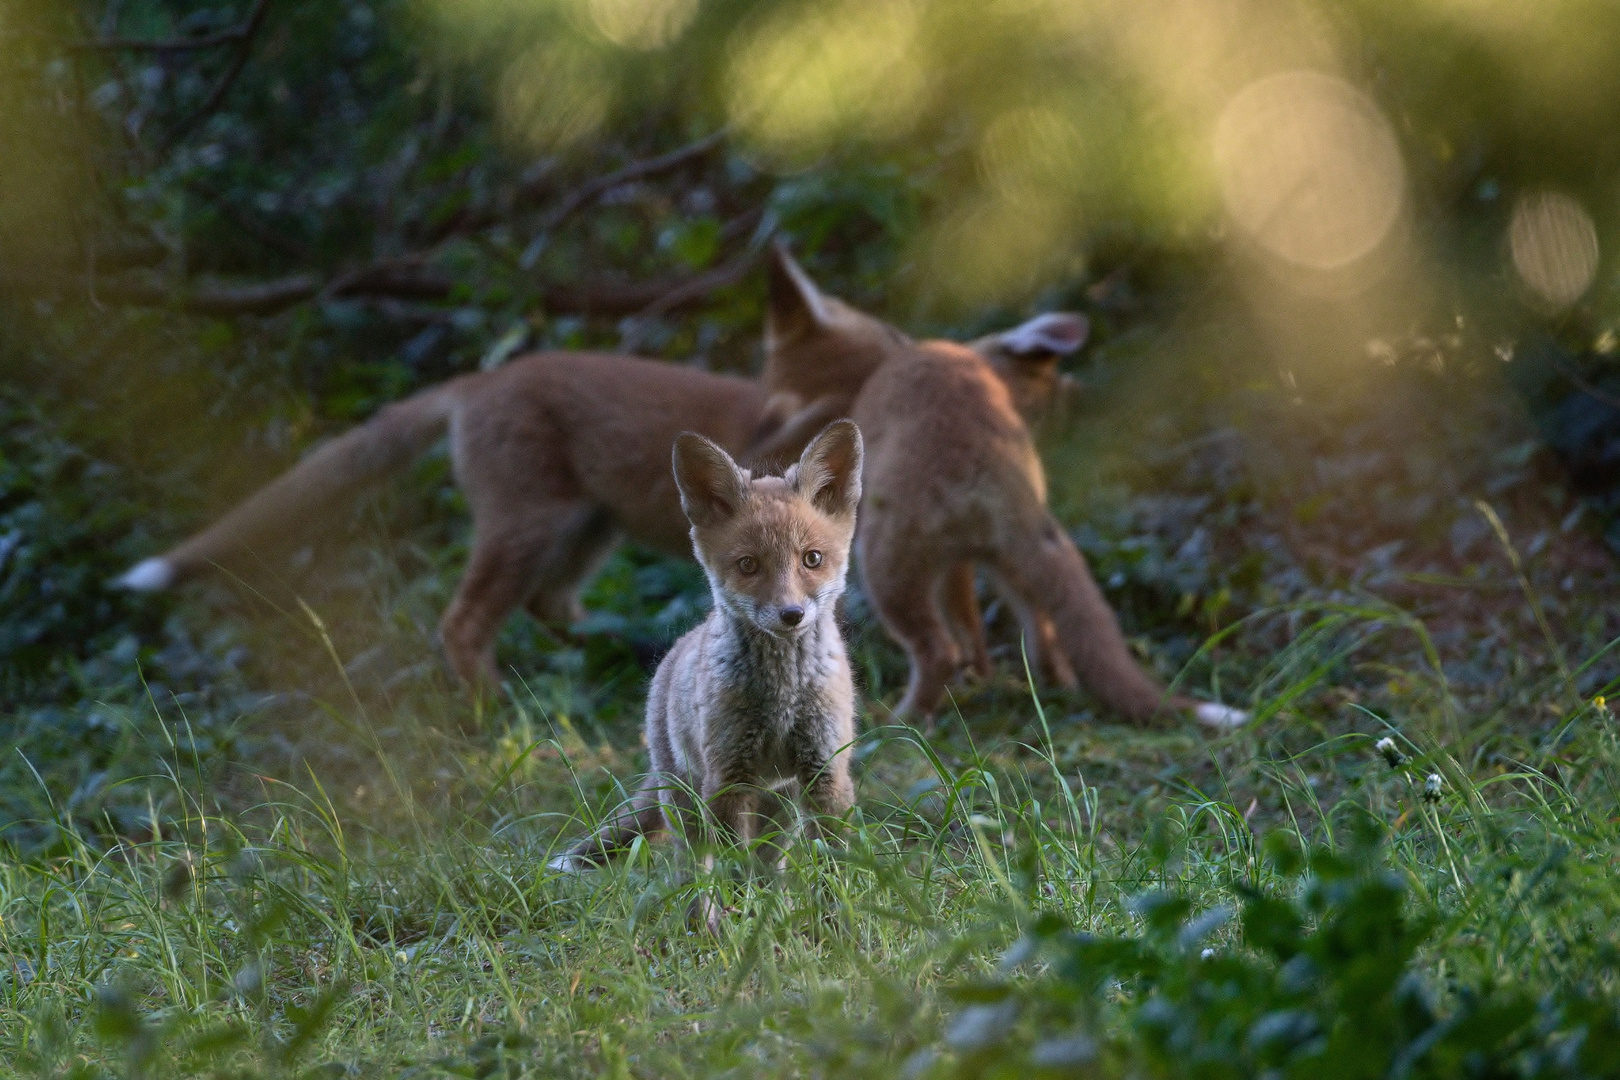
642, 24
1309, 169
799, 83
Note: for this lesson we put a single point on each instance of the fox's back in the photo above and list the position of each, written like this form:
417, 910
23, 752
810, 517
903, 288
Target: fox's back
610, 420
945, 444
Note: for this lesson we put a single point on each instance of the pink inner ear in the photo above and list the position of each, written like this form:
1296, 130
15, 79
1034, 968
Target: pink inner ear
1058, 332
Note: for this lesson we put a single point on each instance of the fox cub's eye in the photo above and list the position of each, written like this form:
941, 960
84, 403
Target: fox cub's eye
748, 564
812, 558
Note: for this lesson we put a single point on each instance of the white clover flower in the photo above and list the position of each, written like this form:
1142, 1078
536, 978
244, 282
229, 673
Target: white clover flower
1432, 787
1392, 753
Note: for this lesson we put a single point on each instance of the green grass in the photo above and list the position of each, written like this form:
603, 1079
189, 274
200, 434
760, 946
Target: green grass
407, 921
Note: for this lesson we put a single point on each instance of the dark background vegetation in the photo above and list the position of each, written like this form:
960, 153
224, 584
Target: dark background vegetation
230, 230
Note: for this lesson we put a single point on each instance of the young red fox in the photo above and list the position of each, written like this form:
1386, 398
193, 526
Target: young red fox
952, 481
757, 699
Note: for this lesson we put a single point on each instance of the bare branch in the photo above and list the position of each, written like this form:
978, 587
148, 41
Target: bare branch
250, 29
242, 30
636, 170
211, 298
534, 187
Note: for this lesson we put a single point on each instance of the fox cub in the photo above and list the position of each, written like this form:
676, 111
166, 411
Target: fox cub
757, 701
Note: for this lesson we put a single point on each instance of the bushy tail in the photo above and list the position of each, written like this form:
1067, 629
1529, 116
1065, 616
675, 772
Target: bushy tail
1049, 572
644, 816
382, 445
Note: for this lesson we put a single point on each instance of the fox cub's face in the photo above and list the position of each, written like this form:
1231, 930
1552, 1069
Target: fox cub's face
776, 548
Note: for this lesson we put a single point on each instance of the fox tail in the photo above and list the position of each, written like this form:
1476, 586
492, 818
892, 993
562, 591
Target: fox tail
1051, 572
381, 446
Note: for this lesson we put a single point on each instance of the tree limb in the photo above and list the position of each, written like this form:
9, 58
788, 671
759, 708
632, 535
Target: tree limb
244, 29
249, 30
531, 190
636, 170
211, 298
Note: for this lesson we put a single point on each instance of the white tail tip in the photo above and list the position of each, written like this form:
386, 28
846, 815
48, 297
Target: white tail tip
148, 575
566, 864
1221, 716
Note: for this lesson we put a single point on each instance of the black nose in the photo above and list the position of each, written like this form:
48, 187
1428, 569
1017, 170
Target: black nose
792, 616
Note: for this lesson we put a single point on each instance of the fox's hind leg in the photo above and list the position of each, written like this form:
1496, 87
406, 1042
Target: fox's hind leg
966, 619
905, 591
528, 514
1039, 638
501, 574
579, 548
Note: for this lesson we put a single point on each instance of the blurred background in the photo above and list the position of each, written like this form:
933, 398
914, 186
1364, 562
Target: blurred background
1349, 267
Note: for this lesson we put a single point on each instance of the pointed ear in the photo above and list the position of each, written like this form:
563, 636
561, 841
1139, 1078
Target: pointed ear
712, 487
796, 305
1057, 333
829, 470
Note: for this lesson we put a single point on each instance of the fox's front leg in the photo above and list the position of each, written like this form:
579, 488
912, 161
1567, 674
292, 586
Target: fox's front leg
732, 820
828, 794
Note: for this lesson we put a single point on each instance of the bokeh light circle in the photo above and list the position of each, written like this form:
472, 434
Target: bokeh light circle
1554, 246
1309, 169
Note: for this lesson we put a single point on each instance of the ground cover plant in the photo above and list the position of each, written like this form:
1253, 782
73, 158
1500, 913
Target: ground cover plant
254, 829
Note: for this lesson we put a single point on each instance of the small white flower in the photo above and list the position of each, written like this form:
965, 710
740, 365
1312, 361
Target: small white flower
1432, 787
1207, 954
1392, 753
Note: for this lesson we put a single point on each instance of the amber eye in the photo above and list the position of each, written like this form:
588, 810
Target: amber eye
812, 558
748, 564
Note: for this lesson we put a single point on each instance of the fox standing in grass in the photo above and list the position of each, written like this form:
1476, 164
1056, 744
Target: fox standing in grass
758, 699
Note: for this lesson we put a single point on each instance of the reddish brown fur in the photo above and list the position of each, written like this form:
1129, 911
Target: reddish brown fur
952, 480
558, 454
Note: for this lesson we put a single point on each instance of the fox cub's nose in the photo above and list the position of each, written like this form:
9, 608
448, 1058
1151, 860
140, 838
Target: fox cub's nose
791, 616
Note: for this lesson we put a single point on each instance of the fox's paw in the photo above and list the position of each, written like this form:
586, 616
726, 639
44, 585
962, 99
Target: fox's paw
1222, 717
708, 913
568, 863
148, 575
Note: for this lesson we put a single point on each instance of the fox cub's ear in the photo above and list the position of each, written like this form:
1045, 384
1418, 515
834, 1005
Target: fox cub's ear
796, 306
829, 472
1057, 333
712, 487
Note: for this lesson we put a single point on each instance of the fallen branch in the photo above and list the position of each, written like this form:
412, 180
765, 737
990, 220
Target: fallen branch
636, 170
249, 30
685, 294
166, 45
407, 280
534, 188
211, 298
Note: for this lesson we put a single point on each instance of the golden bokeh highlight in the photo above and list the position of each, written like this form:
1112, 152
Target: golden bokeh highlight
553, 95
1309, 169
642, 24
799, 82
1554, 246
1029, 153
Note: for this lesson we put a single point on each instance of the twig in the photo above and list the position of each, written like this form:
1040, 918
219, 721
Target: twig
241, 30
213, 298
636, 170
406, 279
686, 293
250, 29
